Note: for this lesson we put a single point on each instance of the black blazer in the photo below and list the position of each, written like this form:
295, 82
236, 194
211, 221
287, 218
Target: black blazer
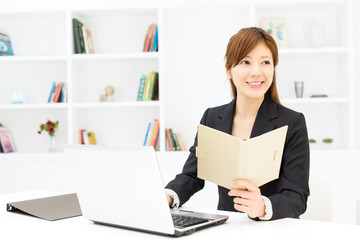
288, 194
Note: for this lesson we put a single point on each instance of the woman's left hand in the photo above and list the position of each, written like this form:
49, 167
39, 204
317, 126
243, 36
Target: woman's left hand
248, 201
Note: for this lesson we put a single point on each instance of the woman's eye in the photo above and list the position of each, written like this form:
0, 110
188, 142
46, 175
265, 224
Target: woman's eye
266, 62
244, 62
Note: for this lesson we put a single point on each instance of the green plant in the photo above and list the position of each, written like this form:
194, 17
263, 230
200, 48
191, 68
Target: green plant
327, 140
49, 127
311, 140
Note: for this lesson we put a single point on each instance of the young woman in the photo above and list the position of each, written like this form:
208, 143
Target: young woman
250, 61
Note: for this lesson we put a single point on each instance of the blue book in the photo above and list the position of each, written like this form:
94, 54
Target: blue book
51, 92
147, 133
155, 40
141, 87
63, 92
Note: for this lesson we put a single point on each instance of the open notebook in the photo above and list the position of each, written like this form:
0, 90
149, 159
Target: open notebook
223, 158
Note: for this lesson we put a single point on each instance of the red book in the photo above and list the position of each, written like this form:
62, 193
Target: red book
156, 132
57, 97
147, 47
81, 138
169, 139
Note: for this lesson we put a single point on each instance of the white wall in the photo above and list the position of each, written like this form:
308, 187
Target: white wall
343, 185
356, 11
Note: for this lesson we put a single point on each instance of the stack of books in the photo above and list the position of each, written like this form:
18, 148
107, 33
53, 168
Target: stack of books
6, 141
86, 137
57, 93
174, 141
83, 41
151, 39
152, 133
149, 87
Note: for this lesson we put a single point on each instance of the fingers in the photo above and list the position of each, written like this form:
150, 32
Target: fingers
250, 189
240, 193
248, 201
245, 184
169, 199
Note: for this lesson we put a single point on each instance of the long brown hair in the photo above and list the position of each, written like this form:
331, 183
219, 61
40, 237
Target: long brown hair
241, 44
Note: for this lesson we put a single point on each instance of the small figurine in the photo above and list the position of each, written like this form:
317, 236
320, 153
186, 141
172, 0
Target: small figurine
108, 91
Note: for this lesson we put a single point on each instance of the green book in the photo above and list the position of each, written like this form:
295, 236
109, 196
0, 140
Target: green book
173, 139
77, 38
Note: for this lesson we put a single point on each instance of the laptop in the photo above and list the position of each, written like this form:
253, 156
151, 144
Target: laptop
122, 186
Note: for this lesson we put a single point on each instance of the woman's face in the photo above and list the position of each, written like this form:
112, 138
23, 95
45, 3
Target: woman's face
254, 74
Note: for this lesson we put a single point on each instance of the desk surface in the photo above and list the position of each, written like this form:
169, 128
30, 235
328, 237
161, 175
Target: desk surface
17, 226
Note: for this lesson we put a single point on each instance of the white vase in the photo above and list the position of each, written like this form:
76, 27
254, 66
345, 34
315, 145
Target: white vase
52, 144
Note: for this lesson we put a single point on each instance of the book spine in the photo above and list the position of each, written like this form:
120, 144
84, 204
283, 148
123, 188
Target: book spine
151, 85
92, 140
146, 88
141, 87
176, 142
152, 38
155, 92
51, 91
154, 49
152, 132
81, 136
86, 137
63, 92
169, 139
172, 139
146, 38
181, 142
86, 44
6, 142
156, 133
77, 45
82, 44
54, 92
149, 38
1, 149
58, 93
147, 133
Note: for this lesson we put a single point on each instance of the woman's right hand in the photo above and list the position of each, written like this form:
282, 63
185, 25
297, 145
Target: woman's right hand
170, 199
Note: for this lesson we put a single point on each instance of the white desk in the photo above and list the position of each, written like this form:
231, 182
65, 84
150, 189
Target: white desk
238, 226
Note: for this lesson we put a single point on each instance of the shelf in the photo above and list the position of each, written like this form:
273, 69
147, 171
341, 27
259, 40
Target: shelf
33, 106
315, 50
314, 100
33, 156
80, 105
32, 58
117, 104
115, 56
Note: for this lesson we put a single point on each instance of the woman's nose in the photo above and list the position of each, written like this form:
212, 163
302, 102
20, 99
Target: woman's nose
255, 69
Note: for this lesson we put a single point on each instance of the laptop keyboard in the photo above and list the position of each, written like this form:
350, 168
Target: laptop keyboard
182, 221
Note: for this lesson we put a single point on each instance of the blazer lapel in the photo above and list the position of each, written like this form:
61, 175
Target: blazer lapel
267, 112
263, 124
226, 117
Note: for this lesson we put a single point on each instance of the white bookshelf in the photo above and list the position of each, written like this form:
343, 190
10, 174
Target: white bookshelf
192, 42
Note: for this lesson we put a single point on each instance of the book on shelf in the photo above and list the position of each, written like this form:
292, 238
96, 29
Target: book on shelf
76, 34
141, 87
5, 45
83, 41
6, 140
174, 141
57, 92
155, 47
88, 41
151, 39
149, 87
152, 133
86, 137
